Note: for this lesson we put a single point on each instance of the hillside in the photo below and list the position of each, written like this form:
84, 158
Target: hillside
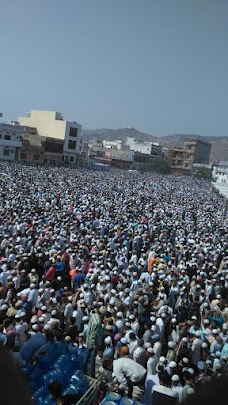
219, 148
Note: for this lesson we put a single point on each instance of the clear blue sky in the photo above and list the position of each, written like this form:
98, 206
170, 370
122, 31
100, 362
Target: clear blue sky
158, 65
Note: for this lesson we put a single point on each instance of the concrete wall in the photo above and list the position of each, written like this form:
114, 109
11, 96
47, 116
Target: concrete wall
46, 123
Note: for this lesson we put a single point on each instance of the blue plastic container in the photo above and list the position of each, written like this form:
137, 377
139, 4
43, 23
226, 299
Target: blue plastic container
127, 401
55, 375
113, 396
39, 395
71, 389
49, 401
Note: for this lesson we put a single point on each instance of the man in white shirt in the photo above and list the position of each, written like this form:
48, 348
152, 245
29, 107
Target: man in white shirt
140, 355
151, 362
120, 322
68, 312
196, 348
127, 372
176, 386
32, 295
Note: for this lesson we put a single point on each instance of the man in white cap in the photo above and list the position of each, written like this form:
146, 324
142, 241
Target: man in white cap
68, 311
196, 348
223, 334
171, 353
88, 295
78, 315
33, 277
45, 314
93, 335
152, 361
176, 386
119, 322
171, 368
40, 299
134, 324
32, 295
54, 322
157, 345
21, 328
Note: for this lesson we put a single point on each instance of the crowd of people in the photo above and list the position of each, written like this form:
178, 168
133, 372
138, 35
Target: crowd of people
131, 266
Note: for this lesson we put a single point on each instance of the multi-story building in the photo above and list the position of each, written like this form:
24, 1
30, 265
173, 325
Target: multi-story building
50, 124
10, 141
193, 151
199, 149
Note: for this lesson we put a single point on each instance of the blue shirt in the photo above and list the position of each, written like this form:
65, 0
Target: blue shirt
78, 278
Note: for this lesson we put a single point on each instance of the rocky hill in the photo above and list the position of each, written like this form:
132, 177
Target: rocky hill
219, 148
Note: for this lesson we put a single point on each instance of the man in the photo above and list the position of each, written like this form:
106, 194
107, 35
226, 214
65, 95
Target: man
127, 372
196, 348
188, 381
176, 386
92, 337
151, 362
139, 354
79, 278
162, 392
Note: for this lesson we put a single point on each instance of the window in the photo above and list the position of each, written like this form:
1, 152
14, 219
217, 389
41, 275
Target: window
6, 152
23, 155
73, 132
71, 144
56, 147
7, 137
71, 158
36, 157
12, 151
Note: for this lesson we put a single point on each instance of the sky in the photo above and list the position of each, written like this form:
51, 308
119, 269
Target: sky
160, 66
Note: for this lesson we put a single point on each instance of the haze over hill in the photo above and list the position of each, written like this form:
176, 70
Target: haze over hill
219, 148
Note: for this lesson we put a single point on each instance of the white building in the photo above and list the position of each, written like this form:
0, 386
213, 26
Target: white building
150, 148
220, 173
113, 144
10, 141
52, 125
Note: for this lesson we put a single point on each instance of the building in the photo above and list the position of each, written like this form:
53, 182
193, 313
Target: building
220, 173
50, 124
150, 148
193, 151
200, 149
113, 144
125, 155
220, 179
10, 141
179, 160
146, 162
